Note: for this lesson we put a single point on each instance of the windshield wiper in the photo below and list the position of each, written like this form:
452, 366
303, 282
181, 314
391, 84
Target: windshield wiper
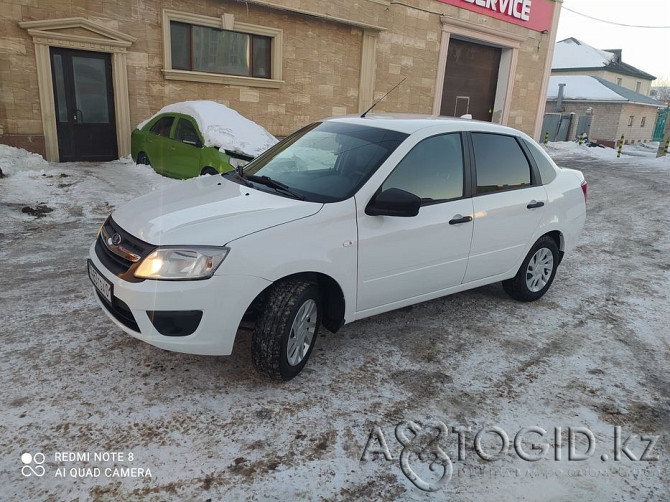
277, 185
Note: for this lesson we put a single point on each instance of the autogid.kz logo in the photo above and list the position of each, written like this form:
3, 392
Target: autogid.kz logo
32, 464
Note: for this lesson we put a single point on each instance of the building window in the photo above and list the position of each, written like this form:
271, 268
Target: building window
619, 81
637, 86
644, 121
221, 50
200, 48
630, 120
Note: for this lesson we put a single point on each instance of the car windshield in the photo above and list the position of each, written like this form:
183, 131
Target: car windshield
323, 162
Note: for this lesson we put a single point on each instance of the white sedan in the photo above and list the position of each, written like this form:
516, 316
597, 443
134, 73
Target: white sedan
344, 219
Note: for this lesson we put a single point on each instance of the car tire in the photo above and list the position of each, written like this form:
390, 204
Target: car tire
142, 159
286, 330
208, 170
536, 273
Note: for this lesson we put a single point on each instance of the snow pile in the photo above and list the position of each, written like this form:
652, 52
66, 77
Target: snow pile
223, 127
67, 192
11, 157
581, 87
573, 53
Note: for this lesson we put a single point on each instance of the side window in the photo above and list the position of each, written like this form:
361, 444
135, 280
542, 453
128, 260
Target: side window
432, 170
163, 126
501, 164
186, 132
545, 166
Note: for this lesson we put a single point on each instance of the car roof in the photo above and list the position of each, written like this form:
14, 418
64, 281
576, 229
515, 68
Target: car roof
411, 123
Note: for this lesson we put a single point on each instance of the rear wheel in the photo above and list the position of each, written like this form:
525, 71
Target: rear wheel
142, 159
209, 170
287, 328
536, 273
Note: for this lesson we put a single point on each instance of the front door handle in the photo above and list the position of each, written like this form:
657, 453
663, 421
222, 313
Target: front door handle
459, 219
533, 204
172, 148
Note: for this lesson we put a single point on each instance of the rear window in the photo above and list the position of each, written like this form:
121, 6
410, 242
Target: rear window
501, 163
544, 165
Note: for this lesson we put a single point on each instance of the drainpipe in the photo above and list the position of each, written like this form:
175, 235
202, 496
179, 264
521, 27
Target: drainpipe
559, 100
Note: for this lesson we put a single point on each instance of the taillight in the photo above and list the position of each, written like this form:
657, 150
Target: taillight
585, 189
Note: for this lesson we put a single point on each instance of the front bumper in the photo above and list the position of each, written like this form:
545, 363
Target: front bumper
222, 299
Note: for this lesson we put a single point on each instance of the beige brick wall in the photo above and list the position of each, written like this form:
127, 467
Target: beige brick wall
411, 48
321, 63
19, 96
637, 132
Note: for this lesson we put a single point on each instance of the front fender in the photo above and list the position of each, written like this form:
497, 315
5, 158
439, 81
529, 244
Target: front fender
325, 243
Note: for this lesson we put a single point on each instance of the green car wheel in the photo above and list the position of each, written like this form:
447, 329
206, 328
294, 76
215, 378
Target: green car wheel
142, 159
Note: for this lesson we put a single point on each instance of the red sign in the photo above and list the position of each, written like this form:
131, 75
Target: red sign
532, 14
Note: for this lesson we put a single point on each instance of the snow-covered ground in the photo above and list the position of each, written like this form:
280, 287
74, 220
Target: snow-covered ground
639, 154
593, 353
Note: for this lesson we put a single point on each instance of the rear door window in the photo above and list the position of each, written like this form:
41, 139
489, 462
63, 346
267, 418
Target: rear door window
500, 162
162, 126
186, 132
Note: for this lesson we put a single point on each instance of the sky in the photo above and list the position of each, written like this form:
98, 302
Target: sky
644, 48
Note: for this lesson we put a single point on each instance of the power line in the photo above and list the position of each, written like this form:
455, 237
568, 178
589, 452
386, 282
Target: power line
617, 24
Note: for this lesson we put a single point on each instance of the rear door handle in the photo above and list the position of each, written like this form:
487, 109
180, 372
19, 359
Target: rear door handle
533, 204
459, 219
172, 148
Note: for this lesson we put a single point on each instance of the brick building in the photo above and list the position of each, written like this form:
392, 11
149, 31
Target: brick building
615, 110
88, 71
574, 57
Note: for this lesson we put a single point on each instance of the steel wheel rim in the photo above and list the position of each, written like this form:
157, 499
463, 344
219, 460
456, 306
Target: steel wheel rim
302, 332
539, 270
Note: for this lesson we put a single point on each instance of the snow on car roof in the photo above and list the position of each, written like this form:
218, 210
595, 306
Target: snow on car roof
222, 127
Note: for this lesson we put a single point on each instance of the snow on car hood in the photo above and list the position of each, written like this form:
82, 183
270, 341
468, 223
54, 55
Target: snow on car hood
223, 127
208, 210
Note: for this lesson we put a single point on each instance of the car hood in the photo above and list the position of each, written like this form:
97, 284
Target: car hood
208, 210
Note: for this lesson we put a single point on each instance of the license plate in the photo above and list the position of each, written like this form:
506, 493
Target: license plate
103, 286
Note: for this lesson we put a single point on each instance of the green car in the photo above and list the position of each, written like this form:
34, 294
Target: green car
173, 145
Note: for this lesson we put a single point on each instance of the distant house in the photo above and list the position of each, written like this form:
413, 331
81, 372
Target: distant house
616, 94
615, 110
574, 57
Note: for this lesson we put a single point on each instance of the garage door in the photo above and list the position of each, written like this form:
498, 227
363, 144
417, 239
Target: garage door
470, 80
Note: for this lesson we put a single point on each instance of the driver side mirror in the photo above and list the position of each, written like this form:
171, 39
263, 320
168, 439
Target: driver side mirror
394, 202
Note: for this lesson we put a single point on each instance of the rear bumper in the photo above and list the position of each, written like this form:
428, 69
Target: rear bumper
222, 300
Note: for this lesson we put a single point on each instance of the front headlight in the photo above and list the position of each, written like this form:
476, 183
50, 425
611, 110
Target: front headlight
181, 263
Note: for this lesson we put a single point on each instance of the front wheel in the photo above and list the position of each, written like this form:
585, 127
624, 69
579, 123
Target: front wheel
142, 159
536, 273
287, 328
208, 170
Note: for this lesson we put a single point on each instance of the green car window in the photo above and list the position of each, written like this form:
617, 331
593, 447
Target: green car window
162, 126
186, 132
